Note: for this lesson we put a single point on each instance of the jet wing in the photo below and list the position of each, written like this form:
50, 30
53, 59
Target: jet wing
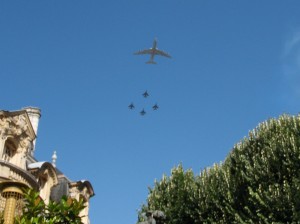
162, 53
148, 51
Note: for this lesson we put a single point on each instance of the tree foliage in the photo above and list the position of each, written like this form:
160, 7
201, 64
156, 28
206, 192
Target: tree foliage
259, 182
35, 211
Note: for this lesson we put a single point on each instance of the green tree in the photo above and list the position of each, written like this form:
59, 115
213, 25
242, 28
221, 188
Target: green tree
35, 211
174, 196
259, 182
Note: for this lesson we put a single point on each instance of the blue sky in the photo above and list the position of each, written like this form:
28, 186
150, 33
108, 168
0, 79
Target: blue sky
235, 64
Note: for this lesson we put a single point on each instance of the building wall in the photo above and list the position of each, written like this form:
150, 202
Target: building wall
18, 130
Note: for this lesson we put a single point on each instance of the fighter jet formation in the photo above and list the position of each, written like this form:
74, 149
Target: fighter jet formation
143, 112
153, 51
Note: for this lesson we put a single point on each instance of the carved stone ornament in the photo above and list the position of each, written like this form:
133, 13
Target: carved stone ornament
81, 188
17, 128
74, 192
85, 193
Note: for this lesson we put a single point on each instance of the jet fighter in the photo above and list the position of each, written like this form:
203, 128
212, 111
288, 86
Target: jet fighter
143, 112
131, 106
153, 51
145, 94
155, 107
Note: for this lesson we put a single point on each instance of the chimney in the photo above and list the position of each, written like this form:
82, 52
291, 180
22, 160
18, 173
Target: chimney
34, 115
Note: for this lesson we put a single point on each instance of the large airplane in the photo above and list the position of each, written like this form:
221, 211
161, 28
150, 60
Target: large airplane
153, 51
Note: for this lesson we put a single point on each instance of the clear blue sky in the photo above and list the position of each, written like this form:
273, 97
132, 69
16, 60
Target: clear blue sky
235, 64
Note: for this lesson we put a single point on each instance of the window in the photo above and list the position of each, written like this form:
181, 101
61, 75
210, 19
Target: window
9, 150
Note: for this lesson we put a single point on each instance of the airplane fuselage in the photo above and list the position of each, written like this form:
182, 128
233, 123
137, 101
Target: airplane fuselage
154, 44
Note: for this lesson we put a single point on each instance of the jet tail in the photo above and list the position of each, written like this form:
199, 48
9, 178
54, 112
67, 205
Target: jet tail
151, 62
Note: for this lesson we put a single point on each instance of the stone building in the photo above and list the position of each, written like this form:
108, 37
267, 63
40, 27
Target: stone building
19, 168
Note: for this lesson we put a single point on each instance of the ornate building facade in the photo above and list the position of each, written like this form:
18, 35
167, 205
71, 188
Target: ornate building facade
19, 168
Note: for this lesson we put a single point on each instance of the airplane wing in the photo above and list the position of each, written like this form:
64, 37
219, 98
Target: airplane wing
162, 53
148, 51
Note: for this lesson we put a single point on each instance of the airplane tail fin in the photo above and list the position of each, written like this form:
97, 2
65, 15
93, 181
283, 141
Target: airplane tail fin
151, 62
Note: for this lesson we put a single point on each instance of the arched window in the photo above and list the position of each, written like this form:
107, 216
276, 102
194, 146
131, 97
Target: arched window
9, 150
47, 179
